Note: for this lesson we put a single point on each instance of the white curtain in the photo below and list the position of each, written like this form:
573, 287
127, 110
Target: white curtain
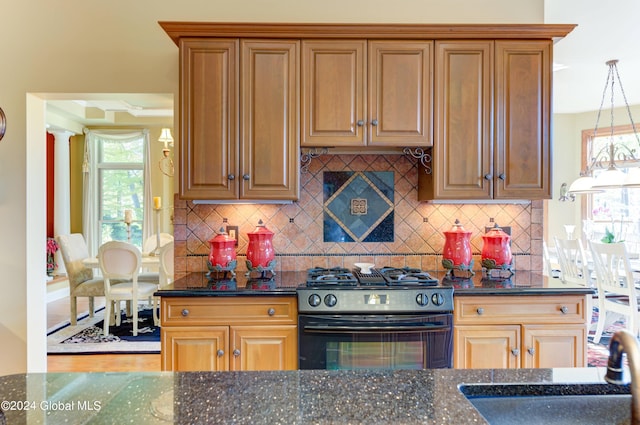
90, 183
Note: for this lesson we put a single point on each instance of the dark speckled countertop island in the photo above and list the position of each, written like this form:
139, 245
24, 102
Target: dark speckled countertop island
289, 397
285, 283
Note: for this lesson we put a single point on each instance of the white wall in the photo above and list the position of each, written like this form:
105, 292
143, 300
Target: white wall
69, 46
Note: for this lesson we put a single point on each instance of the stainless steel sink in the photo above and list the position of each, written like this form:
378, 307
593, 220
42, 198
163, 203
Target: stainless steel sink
547, 404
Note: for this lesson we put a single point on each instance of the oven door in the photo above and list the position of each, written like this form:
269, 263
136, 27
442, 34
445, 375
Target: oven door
375, 342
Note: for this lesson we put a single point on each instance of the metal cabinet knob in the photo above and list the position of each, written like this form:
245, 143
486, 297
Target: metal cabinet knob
231, 177
515, 352
531, 351
220, 353
360, 123
564, 309
488, 176
185, 312
502, 176
245, 176
374, 122
271, 311
480, 311
236, 352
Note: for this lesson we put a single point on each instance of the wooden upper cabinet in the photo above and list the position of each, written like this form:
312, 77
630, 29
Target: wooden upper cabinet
400, 93
269, 144
359, 93
208, 118
480, 156
228, 82
463, 146
523, 119
333, 93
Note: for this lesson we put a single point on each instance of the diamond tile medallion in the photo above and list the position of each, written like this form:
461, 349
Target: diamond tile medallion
358, 206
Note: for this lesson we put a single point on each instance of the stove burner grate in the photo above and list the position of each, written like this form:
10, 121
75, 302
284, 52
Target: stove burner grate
336, 276
407, 276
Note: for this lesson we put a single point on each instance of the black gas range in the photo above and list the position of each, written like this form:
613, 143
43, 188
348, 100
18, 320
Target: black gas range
391, 318
385, 289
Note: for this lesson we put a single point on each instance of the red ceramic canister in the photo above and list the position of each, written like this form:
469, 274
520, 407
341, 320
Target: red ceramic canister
496, 246
223, 249
457, 245
260, 251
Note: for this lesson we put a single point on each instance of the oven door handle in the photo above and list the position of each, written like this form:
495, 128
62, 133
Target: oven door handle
369, 329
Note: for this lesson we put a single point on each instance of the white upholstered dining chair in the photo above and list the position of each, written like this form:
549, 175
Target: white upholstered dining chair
617, 293
82, 282
166, 277
122, 260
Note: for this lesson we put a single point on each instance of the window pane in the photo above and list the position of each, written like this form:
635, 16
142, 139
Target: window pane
121, 190
117, 151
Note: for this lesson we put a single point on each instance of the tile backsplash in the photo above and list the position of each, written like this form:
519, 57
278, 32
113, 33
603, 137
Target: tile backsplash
299, 227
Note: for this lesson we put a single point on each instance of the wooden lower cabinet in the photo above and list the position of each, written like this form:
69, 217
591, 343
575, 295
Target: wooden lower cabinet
520, 331
231, 333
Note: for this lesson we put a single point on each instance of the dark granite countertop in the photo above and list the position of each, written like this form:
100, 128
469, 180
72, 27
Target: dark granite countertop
285, 283
289, 397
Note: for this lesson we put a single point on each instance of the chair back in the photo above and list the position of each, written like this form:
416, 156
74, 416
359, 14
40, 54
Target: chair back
152, 241
119, 260
166, 264
613, 270
573, 261
73, 249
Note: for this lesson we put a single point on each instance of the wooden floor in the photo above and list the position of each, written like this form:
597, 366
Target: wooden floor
58, 312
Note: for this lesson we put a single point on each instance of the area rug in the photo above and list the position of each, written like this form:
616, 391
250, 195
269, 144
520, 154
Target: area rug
87, 338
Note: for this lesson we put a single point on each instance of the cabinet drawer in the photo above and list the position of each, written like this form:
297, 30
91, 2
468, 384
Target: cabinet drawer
520, 309
180, 311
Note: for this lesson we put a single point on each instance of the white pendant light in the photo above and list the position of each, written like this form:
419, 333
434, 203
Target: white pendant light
612, 177
583, 185
633, 178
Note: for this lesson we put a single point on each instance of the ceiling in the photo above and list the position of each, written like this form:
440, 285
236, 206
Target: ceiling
603, 33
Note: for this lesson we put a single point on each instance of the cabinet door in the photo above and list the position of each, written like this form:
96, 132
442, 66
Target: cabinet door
400, 81
554, 346
462, 151
523, 120
486, 347
264, 347
270, 99
202, 348
333, 93
208, 119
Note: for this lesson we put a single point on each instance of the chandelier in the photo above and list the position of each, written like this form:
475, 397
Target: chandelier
612, 177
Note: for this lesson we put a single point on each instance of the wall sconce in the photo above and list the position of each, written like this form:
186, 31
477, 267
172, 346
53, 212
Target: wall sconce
565, 195
166, 164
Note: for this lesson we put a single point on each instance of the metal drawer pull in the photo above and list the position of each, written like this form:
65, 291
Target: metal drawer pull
564, 309
245, 176
480, 311
532, 351
360, 123
220, 353
185, 312
488, 176
374, 122
236, 352
231, 176
271, 311
502, 176
515, 352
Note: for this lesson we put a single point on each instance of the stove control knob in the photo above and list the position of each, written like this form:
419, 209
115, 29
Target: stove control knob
422, 299
330, 300
314, 300
437, 299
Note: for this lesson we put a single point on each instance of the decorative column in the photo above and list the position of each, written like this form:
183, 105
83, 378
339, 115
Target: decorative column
61, 188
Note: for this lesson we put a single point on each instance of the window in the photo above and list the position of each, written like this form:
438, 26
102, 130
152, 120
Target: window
615, 209
116, 179
120, 187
